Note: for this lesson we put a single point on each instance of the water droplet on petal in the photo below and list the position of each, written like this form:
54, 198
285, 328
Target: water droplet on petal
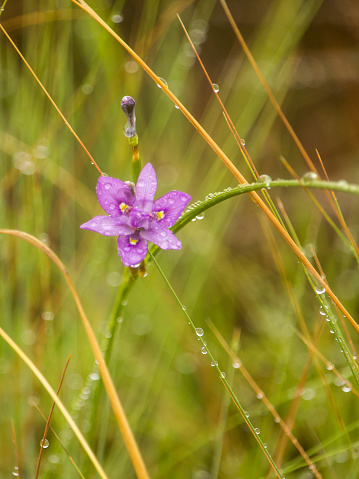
215, 87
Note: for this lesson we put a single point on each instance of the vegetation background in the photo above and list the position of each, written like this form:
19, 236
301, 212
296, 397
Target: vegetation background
227, 271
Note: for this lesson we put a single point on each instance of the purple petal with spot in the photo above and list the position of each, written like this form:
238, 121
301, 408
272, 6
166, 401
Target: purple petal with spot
111, 192
132, 254
161, 236
108, 225
172, 204
146, 187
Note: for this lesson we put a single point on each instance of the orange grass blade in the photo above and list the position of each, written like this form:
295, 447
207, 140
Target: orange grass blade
240, 178
266, 86
51, 100
118, 410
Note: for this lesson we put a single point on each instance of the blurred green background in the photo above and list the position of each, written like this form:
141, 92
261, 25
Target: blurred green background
308, 52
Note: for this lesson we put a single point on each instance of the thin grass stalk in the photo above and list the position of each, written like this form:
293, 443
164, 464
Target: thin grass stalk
222, 375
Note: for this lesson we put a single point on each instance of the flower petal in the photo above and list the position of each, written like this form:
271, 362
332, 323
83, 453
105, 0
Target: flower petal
111, 192
132, 248
161, 236
171, 205
146, 187
108, 225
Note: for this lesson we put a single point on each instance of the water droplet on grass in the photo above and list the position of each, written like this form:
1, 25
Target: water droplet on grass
266, 179
346, 388
214, 363
257, 430
45, 443
215, 87
199, 332
319, 289
223, 374
204, 350
200, 216
309, 176
117, 18
163, 81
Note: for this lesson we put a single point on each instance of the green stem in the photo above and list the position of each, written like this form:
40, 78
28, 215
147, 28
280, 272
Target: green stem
214, 198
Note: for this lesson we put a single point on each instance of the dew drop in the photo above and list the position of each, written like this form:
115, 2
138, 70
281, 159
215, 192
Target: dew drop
183, 307
330, 367
236, 364
346, 388
319, 289
199, 332
223, 374
204, 350
177, 107
47, 315
107, 186
260, 395
215, 87
214, 363
243, 141
322, 311
246, 413
266, 179
117, 18
15, 472
124, 302
94, 376
163, 81
257, 430
200, 216
277, 419
309, 176
265, 445
44, 443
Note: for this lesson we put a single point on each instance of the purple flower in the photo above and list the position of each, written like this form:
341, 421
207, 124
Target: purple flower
135, 217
